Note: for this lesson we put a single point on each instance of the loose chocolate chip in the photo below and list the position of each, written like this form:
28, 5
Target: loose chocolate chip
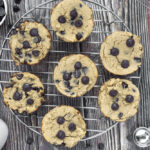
34, 32
125, 64
2, 12
85, 80
22, 32
30, 101
100, 146
9, 85
78, 65
29, 140
80, 5
61, 134
73, 14
17, 1
57, 81
120, 115
19, 76
113, 93
114, 106
77, 73
67, 76
61, 19
37, 39
16, 9
78, 23
72, 127
27, 87
138, 60
60, 120
85, 70
17, 96
130, 42
36, 53
62, 32
26, 45
79, 36
124, 85
114, 51
129, 98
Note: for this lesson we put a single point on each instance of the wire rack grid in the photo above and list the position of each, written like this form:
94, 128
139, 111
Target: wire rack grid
106, 22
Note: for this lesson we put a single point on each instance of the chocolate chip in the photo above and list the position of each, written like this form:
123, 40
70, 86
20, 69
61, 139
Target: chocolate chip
36, 89
17, 96
61, 134
67, 84
14, 31
129, 98
125, 64
137, 59
85, 80
57, 81
30, 101
72, 23
60, 120
113, 93
79, 36
16, 9
85, 70
78, 23
124, 85
37, 39
28, 55
116, 100
80, 5
62, 32
73, 14
61, 19
25, 61
22, 32
72, 127
17, 1
67, 76
19, 76
78, 65
18, 51
100, 146
114, 106
114, 51
34, 32
130, 42
9, 85
36, 53
27, 87
72, 93
77, 73
29, 140
81, 17
133, 90
26, 45
2, 12
120, 115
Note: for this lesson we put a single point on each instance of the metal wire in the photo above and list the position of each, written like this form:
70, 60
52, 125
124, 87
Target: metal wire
105, 124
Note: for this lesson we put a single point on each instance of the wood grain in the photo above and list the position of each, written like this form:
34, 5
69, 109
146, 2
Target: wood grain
134, 14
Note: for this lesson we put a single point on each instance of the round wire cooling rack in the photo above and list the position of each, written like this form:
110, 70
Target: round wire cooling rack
106, 22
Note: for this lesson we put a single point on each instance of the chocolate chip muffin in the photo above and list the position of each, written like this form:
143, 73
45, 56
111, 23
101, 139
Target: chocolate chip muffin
72, 20
24, 93
119, 99
121, 53
63, 125
75, 75
30, 43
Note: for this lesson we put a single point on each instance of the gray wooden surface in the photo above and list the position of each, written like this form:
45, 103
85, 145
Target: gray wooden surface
134, 14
